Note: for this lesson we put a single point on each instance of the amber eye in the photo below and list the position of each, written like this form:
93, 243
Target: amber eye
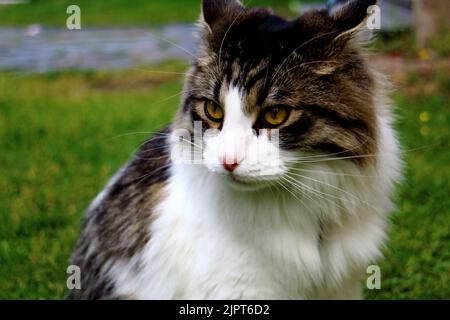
213, 111
275, 116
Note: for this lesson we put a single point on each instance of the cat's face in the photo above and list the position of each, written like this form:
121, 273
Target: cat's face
270, 92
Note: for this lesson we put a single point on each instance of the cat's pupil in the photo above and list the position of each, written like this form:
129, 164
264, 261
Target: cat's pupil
275, 113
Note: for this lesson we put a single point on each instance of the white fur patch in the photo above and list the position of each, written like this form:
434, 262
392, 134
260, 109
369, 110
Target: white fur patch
258, 157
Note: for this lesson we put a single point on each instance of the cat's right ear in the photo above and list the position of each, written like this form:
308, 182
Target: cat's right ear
350, 16
216, 14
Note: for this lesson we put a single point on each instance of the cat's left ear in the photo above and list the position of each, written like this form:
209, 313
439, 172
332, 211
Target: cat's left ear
350, 17
217, 13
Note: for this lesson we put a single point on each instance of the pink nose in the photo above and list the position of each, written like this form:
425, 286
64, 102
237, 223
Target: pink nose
230, 167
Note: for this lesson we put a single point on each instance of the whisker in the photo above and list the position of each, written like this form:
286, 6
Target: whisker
176, 95
149, 158
165, 72
178, 46
336, 188
156, 133
139, 132
302, 191
332, 173
142, 178
299, 160
134, 153
137, 157
289, 191
324, 157
337, 153
318, 193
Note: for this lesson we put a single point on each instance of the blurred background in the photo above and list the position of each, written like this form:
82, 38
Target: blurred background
75, 104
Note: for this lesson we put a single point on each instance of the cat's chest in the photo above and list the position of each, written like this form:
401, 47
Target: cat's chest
212, 245
207, 243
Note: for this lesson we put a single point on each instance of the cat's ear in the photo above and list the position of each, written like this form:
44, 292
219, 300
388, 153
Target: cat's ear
350, 17
216, 13
333, 32
342, 23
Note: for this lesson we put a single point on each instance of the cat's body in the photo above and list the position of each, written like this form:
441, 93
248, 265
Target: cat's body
168, 230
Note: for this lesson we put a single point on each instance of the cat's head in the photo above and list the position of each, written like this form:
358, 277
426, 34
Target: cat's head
274, 90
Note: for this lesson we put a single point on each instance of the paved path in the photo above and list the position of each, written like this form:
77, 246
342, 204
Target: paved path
36, 49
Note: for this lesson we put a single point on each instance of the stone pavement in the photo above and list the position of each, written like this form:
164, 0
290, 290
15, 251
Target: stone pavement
37, 49
40, 49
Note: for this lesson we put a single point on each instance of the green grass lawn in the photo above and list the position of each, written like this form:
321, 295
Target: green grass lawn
417, 263
63, 134
59, 142
116, 12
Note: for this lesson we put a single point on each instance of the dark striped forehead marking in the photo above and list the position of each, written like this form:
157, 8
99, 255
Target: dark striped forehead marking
252, 80
275, 61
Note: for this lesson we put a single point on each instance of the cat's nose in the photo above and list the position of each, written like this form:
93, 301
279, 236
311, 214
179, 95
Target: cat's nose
230, 167
230, 163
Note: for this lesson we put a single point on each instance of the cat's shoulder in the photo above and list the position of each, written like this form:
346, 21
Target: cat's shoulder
116, 225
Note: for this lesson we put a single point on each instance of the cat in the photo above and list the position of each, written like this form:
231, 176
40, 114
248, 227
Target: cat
302, 221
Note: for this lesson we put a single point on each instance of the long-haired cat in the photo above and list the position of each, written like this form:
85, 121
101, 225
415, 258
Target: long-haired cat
298, 160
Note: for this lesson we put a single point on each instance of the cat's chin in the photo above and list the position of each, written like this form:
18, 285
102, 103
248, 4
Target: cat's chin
241, 184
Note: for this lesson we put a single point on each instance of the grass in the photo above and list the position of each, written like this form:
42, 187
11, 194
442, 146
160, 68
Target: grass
59, 144
417, 263
61, 137
115, 12
403, 43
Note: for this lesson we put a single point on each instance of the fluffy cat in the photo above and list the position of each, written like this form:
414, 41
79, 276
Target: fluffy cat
302, 221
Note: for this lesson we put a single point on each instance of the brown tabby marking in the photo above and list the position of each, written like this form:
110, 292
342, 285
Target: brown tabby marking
309, 64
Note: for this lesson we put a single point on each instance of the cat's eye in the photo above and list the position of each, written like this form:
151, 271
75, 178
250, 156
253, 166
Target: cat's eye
213, 111
275, 116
